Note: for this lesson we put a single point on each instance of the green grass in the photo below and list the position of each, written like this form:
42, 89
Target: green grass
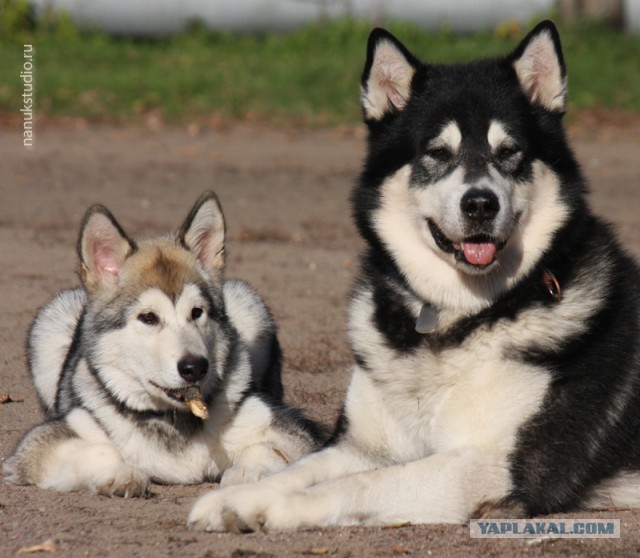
308, 76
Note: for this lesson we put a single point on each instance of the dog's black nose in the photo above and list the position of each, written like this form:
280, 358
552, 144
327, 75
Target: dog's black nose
193, 368
480, 205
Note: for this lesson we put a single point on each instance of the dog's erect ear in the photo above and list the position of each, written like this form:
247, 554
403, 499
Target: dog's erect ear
203, 232
540, 68
102, 247
386, 79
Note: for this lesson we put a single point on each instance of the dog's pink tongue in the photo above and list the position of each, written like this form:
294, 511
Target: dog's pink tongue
479, 253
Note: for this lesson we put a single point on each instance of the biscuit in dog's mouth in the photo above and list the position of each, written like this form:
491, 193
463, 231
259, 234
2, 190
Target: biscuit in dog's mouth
477, 250
191, 396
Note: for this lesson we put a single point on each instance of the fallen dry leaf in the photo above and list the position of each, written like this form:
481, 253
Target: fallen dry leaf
6, 398
49, 545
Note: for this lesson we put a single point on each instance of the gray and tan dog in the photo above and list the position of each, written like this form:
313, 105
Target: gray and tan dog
157, 369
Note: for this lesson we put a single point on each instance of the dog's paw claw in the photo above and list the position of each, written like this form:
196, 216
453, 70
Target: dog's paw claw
127, 482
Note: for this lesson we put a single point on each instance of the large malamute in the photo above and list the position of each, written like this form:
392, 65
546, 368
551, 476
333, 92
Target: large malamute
495, 322
157, 369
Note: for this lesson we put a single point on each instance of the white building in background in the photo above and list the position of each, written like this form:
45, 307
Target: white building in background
632, 15
167, 17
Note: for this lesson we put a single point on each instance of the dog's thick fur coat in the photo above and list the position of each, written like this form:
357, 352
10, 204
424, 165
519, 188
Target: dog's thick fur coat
112, 362
495, 321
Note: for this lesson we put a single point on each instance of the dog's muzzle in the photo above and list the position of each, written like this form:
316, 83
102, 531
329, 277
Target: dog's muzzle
479, 209
478, 248
479, 206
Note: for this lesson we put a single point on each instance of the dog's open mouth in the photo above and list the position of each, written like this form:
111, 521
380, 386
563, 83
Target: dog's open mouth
477, 250
177, 394
191, 396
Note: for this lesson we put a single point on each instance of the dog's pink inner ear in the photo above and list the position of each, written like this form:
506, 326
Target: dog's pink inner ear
105, 262
540, 73
388, 86
208, 246
201, 246
104, 249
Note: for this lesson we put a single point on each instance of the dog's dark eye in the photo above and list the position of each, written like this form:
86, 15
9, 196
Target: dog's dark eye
507, 152
440, 154
149, 318
196, 313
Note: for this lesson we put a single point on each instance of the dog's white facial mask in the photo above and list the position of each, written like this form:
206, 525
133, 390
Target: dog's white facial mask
144, 358
468, 204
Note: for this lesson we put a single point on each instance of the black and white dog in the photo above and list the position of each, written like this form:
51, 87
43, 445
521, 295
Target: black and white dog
156, 369
495, 322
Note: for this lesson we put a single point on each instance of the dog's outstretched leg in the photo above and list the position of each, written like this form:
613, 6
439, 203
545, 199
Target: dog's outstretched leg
207, 514
444, 488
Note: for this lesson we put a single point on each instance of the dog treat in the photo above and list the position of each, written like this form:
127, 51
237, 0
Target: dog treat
193, 399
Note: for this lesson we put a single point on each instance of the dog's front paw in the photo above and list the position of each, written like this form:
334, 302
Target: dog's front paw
126, 482
206, 514
246, 508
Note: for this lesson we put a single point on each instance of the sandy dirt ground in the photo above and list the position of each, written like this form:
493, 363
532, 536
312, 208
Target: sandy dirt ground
285, 195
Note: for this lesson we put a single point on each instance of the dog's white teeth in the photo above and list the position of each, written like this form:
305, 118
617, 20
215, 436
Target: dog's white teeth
458, 245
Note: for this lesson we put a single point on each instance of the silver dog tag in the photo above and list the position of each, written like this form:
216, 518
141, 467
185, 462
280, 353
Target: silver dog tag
428, 319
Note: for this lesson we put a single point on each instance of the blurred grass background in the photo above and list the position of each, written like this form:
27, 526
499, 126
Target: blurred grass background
309, 76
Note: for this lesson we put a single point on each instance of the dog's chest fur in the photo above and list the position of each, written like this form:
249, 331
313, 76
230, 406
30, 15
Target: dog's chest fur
477, 392
172, 446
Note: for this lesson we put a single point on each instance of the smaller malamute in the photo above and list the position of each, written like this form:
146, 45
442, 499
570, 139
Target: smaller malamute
158, 369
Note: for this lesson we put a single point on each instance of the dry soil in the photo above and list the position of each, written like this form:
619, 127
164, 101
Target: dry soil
285, 195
